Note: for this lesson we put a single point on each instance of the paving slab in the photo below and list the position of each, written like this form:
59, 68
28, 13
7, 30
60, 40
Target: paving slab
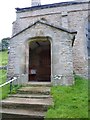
27, 103
34, 90
21, 113
35, 84
47, 101
30, 96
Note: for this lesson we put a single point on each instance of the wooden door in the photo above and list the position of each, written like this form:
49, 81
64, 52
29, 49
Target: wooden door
40, 66
44, 69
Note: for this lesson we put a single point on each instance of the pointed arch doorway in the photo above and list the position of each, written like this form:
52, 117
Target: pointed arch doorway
40, 59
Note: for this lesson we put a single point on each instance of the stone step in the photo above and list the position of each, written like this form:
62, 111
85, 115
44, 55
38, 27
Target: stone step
31, 101
27, 103
30, 96
34, 90
9, 114
36, 84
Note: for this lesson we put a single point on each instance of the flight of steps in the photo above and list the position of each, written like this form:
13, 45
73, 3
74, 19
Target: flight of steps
31, 101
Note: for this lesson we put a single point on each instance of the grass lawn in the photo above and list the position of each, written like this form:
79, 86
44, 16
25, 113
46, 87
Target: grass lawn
3, 58
4, 91
3, 61
3, 74
71, 101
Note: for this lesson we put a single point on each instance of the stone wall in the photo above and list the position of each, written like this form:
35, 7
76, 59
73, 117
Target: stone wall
61, 52
72, 16
77, 22
69, 16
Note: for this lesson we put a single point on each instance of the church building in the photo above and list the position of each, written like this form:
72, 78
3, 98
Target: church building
50, 43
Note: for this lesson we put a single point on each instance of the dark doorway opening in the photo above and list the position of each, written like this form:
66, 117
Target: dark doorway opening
40, 60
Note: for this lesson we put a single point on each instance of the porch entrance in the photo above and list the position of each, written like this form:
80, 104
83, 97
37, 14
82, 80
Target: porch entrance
40, 60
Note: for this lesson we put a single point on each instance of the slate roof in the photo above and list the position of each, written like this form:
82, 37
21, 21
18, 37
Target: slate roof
49, 6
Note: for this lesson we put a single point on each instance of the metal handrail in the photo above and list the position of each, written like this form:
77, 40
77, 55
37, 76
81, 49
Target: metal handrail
10, 81
14, 78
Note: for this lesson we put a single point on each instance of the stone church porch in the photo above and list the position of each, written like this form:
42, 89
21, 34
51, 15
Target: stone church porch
42, 52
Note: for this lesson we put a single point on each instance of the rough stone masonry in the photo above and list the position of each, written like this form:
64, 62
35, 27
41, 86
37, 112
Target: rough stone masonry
59, 27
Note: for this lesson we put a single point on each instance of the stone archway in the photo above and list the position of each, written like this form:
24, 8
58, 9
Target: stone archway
39, 59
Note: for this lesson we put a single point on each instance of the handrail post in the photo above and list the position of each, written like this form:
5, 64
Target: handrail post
10, 87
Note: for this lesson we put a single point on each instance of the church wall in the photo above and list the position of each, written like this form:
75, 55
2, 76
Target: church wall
77, 21
61, 54
52, 15
71, 16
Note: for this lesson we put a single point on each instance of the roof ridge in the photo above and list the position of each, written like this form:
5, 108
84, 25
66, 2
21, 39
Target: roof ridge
49, 6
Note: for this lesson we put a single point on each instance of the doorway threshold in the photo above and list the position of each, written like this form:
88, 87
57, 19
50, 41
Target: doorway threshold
39, 83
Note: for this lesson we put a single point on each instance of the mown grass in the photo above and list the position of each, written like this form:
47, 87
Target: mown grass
4, 91
71, 101
3, 62
3, 74
3, 58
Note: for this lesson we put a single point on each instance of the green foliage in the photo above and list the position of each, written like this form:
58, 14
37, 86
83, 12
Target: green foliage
70, 101
3, 58
3, 76
15, 88
5, 44
4, 91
